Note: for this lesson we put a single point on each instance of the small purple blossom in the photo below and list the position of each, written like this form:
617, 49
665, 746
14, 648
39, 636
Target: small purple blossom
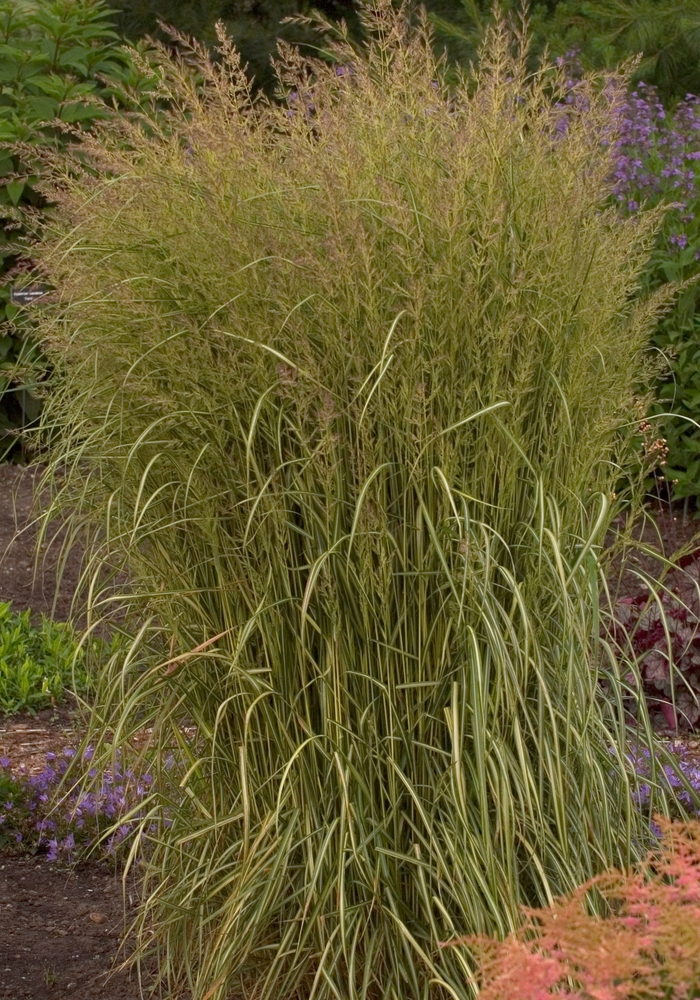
679, 240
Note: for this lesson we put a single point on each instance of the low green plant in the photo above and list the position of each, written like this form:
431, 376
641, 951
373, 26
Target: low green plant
348, 383
38, 663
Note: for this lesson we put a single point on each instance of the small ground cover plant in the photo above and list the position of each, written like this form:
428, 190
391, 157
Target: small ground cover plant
349, 382
38, 663
69, 809
646, 943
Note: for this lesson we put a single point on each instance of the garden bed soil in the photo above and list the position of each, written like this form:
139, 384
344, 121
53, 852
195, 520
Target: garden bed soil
26, 739
61, 932
28, 584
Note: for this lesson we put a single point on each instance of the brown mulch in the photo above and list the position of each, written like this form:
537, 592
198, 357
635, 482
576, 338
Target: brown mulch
26, 739
61, 931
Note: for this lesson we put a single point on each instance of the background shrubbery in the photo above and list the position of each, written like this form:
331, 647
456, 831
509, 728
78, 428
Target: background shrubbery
60, 61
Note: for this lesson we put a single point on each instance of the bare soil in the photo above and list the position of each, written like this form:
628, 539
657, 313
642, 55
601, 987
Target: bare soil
61, 932
28, 580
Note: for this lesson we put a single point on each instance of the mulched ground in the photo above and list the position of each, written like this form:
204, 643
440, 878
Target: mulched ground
61, 931
26, 739
19, 582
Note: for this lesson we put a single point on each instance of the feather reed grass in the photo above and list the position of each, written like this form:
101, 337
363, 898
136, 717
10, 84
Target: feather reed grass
348, 382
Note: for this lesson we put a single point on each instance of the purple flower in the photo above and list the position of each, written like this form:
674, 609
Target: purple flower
679, 240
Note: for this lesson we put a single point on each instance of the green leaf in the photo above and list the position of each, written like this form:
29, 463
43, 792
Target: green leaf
80, 112
44, 109
52, 85
15, 190
75, 58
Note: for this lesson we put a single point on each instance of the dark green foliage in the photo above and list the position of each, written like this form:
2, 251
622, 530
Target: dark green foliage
605, 32
681, 396
254, 26
665, 32
55, 57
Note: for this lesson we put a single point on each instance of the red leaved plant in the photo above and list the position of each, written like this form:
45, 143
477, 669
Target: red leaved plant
646, 946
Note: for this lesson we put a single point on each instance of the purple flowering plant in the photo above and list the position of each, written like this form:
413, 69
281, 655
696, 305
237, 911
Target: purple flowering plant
675, 772
657, 154
658, 160
66, 812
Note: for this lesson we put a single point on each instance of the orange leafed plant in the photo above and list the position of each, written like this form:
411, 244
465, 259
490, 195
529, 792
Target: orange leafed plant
646, 945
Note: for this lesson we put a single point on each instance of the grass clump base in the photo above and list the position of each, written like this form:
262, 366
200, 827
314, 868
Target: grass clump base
348, 383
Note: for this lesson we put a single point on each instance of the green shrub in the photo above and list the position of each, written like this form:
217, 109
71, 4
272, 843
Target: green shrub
59, 60
604, 33
37, 663
254, 27
348, 384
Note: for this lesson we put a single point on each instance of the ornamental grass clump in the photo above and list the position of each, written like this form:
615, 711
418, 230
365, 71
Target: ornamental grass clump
347, 383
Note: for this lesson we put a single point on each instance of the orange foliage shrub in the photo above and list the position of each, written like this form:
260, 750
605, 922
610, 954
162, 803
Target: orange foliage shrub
646, 946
